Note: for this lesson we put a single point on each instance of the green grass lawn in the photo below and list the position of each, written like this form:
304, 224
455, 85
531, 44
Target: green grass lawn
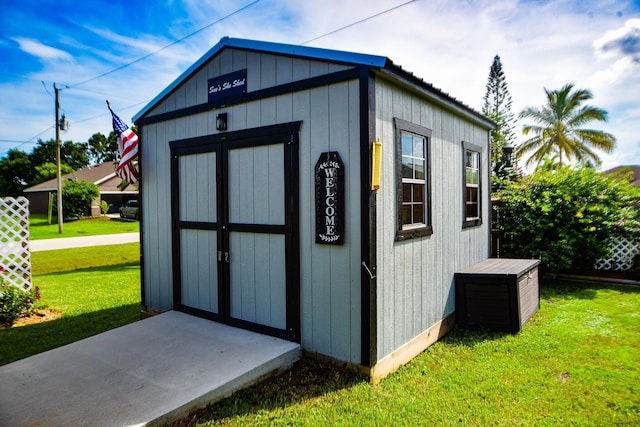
576, 363
39, 227
95, 289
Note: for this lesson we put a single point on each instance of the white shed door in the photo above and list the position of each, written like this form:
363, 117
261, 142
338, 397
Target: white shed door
235, 238
256, 235
198, 191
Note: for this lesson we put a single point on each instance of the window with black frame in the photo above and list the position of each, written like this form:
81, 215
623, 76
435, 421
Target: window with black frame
412, 149
471, 192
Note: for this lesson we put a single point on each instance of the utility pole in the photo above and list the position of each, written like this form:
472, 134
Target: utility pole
60, 227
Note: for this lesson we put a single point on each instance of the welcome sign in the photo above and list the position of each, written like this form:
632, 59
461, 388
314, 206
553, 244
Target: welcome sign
329, 177
228, 85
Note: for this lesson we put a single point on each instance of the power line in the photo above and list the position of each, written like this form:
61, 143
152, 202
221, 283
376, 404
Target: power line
12, 141
29, 141
46, 90
167, 46
360, 21
108, 113
82, 89
75, 86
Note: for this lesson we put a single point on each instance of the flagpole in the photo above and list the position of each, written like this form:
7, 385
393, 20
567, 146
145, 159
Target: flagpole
60, 226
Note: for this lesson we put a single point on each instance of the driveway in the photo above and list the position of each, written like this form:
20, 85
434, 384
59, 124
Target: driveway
81, 242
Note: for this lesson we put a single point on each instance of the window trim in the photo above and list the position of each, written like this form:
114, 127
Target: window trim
466, 223
416, 230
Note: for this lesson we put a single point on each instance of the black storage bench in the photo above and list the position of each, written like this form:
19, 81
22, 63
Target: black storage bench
498, 294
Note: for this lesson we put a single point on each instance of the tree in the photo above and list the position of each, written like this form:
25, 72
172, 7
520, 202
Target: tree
497, 107
75, 154
558, 128
48, 171
72, 154
16, 172
43, 152
103, 149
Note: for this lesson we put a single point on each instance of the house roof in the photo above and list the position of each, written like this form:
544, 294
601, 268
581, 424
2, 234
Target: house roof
103, 175
381, 64
634, 169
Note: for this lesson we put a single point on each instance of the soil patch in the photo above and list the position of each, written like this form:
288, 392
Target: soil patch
38, 316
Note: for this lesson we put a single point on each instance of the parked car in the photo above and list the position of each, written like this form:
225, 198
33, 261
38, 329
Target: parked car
130, 209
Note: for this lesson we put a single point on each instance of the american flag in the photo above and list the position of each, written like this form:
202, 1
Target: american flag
128, 149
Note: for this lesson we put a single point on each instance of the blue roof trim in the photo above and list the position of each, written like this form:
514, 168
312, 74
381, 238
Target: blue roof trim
277, 48
309, 52
180, 79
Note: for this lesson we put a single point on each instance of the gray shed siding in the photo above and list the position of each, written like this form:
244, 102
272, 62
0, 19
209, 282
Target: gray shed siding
415, 285
329, 275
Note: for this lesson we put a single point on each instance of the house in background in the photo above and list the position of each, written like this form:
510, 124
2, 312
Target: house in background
320, 196
103, 175
623, 170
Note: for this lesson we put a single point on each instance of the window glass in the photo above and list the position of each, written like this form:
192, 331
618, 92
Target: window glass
407, 167
413, 187
418, 193
418, 169
471, 186
407, 145
413, 180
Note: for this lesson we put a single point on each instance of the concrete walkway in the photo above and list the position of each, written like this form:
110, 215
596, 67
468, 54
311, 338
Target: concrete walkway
152, 371
80, 242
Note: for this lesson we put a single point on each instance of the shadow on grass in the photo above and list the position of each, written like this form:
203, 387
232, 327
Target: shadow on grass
556, 289
119, 219
571, 290
24, 341
471, 337
550, 290
307, 379
99, 267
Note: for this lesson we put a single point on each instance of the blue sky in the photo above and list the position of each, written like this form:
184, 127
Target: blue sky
88, 49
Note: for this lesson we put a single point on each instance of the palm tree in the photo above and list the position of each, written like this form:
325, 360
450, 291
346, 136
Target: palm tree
559, 128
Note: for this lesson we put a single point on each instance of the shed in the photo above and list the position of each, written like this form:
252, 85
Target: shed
321, 196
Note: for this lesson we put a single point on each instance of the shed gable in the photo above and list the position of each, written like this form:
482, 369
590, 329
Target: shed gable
264, 71
271, 68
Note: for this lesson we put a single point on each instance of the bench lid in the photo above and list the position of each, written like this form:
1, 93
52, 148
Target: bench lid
501, 266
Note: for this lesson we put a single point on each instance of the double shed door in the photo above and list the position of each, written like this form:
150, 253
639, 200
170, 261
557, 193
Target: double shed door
235, 228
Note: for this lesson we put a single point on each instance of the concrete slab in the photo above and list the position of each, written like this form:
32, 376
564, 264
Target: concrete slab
148, 372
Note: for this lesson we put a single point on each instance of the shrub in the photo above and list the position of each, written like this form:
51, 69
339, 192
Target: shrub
564, 217
76, 199
16, 303
104, 207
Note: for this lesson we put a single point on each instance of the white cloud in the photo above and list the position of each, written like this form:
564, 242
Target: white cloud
42, 51
621, 45
132, 45
449, 44
623, 41
616, 72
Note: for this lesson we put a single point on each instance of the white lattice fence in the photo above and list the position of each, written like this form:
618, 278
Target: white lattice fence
15, 257
623, 249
